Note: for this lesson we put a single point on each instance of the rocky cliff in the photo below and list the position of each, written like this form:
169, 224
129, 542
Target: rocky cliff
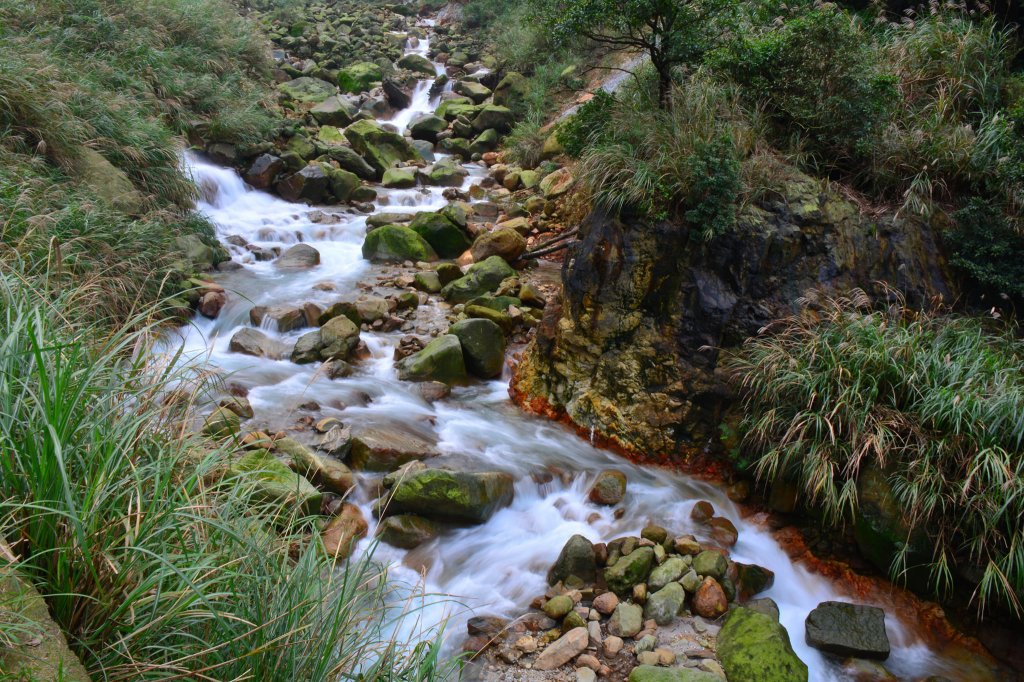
631, 349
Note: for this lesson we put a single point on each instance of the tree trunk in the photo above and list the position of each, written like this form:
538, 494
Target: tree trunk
664, 84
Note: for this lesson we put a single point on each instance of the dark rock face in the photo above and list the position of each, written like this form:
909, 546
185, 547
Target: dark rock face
848, 630
632, 349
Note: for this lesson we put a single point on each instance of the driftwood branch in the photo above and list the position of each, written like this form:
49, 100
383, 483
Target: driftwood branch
551, 246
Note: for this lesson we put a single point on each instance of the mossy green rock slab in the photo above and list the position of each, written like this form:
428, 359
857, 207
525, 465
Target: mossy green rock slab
359, 77
653, 673
453, 495
482, 278
397, 243
752, 646
629, 570
440, 360
382, 149
307, 90
277, 484
483, 346
447, 239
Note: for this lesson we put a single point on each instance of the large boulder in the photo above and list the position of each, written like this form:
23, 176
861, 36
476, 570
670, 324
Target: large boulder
376, 449
452, 495
335, 111
477, 92
710, 601
339, 336
298, 256
344, 184
327, 471
491, 116
629, 570
427, 127
627, 620
664, 605
752, 646
668, 571
396, 243
263, 171
255, 343
481, 278
445, 173
281, 317
440, 360
307, 90
447, 239
359, 77
273, 483
511, 90
848, 630
381, 148
576, 559
882, 530
407, 531
609, 488
349, 160
711, 563
504, 242
483, 346
417, 64
556, 184
399, 178
309, 184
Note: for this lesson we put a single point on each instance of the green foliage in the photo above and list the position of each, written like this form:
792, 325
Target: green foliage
816, 73
525, 144
932, 400
685, 160
585, 128
152, 571
986, 247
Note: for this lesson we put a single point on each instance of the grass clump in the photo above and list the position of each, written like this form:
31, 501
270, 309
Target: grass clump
153, 560
932, 400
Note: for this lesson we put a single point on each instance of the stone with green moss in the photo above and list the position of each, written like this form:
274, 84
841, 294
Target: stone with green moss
417, 64
339, 336
222, 423
752, 646
335, 111
380, 148
483, 346
447, 239
440, 360
359, 77
274, 483
396, 243
399, 178
491, 116
629, 570
307, 90
331, 473
343, 184
482, 278
653, 673
453, 495
427, 127
407, 531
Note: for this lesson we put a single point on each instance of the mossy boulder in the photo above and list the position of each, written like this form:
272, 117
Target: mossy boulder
342, 532
108, 181
445, 173
452, 495
482, 278
407, 531
882, 531
222, 423
330, 135
577, 558
427, 127
309, 184
664, 605
511, 90
444, 236
396, 243
349, 160
653, 673
504, 242
274, 483
450, 109
483, 346
380, 148
477, 92
343, 184
339, 336
711, 563
440, 360
359, 77
335, 111
752, 646
417, 64
307, 90
485, 142
629, 570
491, 116
399, 178
428, 282
845, 630
556, 184
329, 472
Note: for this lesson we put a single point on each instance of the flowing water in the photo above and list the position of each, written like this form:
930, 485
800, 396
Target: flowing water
497, 567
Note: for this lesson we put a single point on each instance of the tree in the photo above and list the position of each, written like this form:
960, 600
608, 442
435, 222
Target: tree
671, 32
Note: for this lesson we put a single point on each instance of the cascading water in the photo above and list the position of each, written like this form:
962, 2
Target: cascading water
497, 567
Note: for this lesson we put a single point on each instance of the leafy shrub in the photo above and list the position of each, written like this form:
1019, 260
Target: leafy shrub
987, 248
934, 401
586, 127
525, 144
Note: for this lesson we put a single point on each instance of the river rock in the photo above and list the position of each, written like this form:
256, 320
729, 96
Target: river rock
626, 620
575, 559
848, 630
349, 160
329, 472
752, 579
339, 337
263, 171
723, 531
564, 649
440, 360
359, 77
222, 423
298, 256
474, 91
427, 127
605, 603
503, 242
444, 173
609, 488
407, 531
307, 90
652, 673
493, 116
671, 570
417, 64
444, 236
211, 303
556, 184
335, 111
274, 483
690, 581
480, 279
342, 532
451, 495
483, 346
629, 570
396, 243
664, 605
752, 646
375, 449
711, 563
558, 607
307, 348
309, 184
399, 178
345, 185
710, 600
882, 531
380, 148
428, 282
284, 318
254, 342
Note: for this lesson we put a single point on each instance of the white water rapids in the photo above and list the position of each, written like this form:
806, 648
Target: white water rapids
497, 567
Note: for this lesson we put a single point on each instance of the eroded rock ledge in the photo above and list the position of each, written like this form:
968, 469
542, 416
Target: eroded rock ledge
630, 352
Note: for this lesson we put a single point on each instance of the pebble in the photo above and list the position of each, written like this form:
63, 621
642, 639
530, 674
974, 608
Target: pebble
612, 646
526, 644
646, 644
588, 661
665, 656
605, 603
647, 658
585, 675
594, 630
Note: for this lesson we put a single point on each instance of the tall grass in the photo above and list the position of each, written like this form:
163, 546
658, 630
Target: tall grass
155, 562
932, 400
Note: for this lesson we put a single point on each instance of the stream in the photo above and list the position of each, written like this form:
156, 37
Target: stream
498, 567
